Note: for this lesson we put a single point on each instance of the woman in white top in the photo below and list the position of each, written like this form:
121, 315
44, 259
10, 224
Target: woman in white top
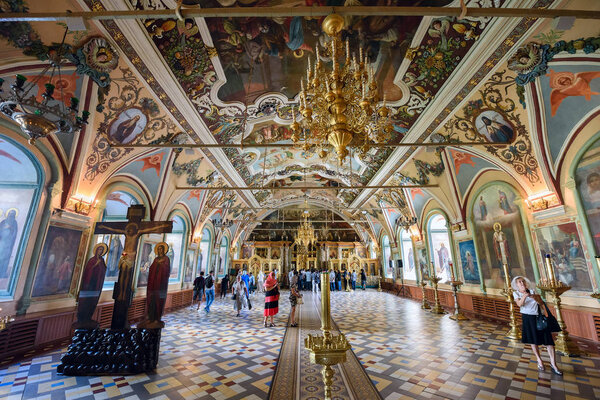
260, 282
531, 304
240, 291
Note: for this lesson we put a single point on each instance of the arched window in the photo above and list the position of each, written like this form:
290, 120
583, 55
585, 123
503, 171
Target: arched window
386, 253
204, 256
408, 256
496, 206
117, 203
20, 186
176, 242
439, 245
223, 261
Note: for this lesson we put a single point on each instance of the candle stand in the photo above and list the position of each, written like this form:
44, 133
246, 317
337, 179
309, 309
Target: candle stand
347, 283
425, 305
437, 307
458, 315
564, 344
327, 350
514, 332
379, 283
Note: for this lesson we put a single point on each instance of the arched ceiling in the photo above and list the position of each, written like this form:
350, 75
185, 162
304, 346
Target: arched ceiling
233, 80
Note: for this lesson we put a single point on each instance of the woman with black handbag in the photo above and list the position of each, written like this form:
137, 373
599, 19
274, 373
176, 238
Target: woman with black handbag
538, 321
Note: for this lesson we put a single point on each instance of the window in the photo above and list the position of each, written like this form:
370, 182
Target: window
439, 245
117, 203
223, 261
20, 185
176, 242
204, 255
408, 257
388, 266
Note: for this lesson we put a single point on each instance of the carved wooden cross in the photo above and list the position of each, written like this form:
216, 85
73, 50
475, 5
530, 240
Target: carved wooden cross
132, 229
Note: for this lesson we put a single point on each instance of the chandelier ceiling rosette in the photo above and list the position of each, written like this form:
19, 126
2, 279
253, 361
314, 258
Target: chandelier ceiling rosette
340, 105
305, 235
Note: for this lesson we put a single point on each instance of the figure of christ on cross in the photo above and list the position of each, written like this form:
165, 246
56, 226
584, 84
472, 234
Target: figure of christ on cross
132, 229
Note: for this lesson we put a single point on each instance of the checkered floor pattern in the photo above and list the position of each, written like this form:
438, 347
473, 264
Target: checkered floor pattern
407, 352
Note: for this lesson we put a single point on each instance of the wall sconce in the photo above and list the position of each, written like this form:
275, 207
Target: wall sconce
5, 321
81, 205
542, 202
459, 226
197, 238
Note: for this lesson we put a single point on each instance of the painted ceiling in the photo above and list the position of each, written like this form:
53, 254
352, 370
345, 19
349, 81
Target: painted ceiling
235, 80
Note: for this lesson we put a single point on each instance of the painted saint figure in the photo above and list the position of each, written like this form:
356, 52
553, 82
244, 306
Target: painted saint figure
503, 202
500, 244
498, 132
444, 258
126, 128
158, 283
483, 208
8, 236
90, 288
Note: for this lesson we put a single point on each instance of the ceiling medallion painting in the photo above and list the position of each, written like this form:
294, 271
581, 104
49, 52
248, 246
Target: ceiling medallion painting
494, 117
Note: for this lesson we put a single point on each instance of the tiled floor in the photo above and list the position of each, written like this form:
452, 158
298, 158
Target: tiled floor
407, 352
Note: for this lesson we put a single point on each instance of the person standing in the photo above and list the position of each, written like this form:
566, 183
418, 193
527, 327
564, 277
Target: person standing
290, 276
224, 286
315, 281
338, 280
354, 276
198, 289
209, 284
251, 284
363, 279
294, 295
271, 298
531, 305
332, 280
246, 279
260, 282
240, 293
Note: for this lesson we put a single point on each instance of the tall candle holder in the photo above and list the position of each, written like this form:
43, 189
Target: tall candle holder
379, 283
327, 350
437, 307
514, 332
596, 295
347, 283
425, 305
458, 315
564, 344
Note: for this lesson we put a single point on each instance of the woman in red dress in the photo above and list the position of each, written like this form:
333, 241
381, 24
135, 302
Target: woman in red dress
271, 298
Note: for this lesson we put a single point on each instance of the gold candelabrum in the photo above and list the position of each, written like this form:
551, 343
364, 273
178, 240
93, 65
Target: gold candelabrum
327, 350
514, 332
596, 295
433, 278
379, 283
5, 321
564, 344
340, 105
425, 305
347, 282
458, 315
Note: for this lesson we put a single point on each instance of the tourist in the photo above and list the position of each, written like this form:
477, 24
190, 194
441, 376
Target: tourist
240, 293
224, 286
198, 290
316, 280
363, 279
246, 279
331, 280
209, 284
290, 276
531, 304
251, 283
354, 276
344, 279
338, 280
302, 279
294, 295
260, 282
271, 298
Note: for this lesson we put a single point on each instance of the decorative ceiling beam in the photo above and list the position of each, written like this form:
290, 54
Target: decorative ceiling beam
224, 188
274, 12
287, 145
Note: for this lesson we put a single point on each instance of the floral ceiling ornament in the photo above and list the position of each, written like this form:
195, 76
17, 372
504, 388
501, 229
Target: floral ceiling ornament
493, 117
531, 60
424, 169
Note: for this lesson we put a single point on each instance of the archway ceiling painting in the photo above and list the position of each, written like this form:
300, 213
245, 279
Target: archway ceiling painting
234, 80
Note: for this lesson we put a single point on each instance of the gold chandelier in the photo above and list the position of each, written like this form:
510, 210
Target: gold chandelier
340, 105
305, 235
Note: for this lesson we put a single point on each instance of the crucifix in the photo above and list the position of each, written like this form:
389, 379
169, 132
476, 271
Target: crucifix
132, 229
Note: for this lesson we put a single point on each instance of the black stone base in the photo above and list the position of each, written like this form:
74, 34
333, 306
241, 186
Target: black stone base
111, 352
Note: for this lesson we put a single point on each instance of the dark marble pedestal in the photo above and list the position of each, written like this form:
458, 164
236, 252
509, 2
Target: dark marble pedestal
111, 352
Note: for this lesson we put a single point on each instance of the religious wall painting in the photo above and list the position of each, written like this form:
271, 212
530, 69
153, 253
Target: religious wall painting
145, 259
408, 260
56, 266
498, 228
422, 261
468, 262
115, 245
127, 126
493, 126
175, 242
188, 276
587, 178
563, 244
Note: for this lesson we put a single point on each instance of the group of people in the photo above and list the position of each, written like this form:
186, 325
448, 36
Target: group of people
342, 280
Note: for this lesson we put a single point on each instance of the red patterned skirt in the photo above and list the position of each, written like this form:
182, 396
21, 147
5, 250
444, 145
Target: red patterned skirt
272, 302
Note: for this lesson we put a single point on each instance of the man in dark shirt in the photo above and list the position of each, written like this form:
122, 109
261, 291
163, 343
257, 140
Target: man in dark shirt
338, 280
198, 289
